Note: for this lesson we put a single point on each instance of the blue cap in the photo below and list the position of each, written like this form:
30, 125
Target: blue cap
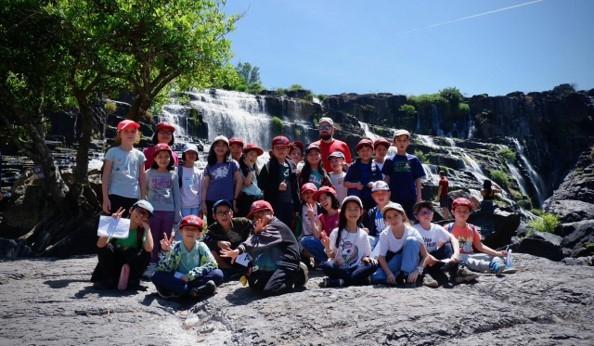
221, 202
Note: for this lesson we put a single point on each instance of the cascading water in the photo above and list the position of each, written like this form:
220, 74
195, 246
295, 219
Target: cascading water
234, 114
367, 131
436, 121
534, 177
518, 177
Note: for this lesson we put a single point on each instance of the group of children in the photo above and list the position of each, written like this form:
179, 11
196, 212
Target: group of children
268, 226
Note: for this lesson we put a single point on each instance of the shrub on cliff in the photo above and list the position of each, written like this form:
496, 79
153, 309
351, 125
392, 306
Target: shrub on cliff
500, 177
546, 223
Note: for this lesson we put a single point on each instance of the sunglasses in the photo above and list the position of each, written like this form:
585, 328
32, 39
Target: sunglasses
425, 212
325, 127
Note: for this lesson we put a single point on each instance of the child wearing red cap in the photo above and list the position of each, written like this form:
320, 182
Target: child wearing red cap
123, 178
487, 259
380, 151
275, 266
278, 182
324, 224
164, 194
187, 267
163, 134
236, 148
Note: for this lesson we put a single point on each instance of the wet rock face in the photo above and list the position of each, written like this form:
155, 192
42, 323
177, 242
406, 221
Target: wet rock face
544, 303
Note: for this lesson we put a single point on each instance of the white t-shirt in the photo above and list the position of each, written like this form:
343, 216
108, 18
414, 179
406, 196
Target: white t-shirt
191, 185
388, 242
351, 249
434, 238
337, 180
307, 225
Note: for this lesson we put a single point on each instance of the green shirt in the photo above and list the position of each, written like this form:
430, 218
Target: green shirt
129, 243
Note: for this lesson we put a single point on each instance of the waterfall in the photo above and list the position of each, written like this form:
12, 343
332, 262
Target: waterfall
427, 141
436, 121
175, 115
234, 114
534, 177
518, 177
367, 131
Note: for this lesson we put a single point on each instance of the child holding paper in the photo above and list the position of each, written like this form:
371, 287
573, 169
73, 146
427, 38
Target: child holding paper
187, 268
122, 261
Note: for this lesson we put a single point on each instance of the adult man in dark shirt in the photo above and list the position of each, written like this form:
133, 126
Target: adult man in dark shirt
275, 253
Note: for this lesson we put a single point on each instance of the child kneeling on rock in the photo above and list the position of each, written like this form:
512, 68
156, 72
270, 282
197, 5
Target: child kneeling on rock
487, 260
187, 268
348, 248
122, 261
275, 266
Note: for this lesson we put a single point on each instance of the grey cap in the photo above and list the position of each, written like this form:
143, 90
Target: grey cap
351, 198
191, 147
337, 154
401, 132
393, 206
380, 185
144, 204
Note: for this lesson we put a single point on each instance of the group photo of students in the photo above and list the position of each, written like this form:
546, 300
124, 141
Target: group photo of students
356, 218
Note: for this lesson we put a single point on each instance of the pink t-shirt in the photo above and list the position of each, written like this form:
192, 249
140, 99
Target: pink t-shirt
329, 222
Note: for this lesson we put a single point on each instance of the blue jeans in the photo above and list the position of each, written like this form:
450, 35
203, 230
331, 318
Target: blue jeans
352, 276
166, 281
314, 247
405, 261
190, 211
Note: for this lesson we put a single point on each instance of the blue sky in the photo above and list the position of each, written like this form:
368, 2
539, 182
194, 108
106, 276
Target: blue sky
415, 47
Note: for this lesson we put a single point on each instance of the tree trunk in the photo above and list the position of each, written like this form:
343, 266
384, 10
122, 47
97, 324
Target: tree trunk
140, 106
82, 154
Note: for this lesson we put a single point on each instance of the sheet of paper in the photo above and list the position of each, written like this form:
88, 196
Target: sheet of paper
113, 228
243, 259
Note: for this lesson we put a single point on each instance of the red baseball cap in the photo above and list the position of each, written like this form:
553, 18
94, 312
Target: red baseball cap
324, 189
462, 202
126, 124
191, 220
281, 141
308, 187
258, 206
251, 146
236, 140
381, 141
165, 126
364, 142
161, 147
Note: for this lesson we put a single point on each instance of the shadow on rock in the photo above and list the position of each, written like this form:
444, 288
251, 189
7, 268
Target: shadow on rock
61, 283
91, 289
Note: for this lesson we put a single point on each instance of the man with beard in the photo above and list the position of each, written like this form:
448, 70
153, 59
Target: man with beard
328, 144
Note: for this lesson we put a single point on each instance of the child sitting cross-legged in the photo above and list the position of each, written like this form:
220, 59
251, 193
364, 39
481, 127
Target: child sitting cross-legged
187, 268
486, 259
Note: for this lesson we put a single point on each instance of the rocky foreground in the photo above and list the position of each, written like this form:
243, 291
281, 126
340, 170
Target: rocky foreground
51, 302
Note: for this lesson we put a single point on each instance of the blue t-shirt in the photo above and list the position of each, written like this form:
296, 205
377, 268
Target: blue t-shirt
363, 173
403, 171
222, 182
125, 171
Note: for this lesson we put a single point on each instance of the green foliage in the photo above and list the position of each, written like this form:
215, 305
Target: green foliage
525, 203
424, 158
538, 212
500, 177
452, 95
295, 87
508, 154
250, 75
408, 110
546, 223
426, 100
277, 125
463, 108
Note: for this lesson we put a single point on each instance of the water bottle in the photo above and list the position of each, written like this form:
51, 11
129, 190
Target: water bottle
508, 259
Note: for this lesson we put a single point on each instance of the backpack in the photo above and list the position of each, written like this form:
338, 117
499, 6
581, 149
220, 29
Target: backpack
180, 175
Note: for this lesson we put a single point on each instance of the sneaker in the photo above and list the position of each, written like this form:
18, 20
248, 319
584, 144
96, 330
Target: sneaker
165, 294
430, 282
464, 275
206, 290
124, 275
303, 275
150, 271
496, 267
509, 270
